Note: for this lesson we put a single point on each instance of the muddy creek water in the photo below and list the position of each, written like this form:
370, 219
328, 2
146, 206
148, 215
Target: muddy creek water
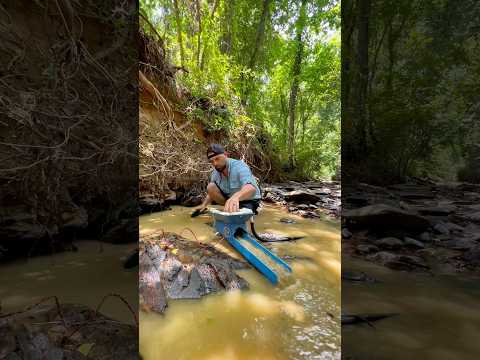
438, 316
82, 277
298, 319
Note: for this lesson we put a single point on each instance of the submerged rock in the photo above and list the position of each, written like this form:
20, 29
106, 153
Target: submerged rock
398, 261
425, 237
389, 243
287, 221
437, 210
413, 243
473, 256
357, 276
475, 217
383, 257
366, 249
151, 204
346, 234
125, 231
441, 228
458, 244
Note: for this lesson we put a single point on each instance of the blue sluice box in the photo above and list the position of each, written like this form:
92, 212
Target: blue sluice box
228, 225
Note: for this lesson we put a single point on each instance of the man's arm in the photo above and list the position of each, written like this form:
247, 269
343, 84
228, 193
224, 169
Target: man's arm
246, 192
207, 201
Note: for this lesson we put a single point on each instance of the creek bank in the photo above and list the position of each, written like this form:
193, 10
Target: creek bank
60, 178
416, 226
172, 267
26, 232
69, 331
310, 199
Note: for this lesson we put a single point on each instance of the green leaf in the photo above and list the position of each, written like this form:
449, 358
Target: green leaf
85, 348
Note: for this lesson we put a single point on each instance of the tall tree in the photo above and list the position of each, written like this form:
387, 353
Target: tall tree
199, 35
260, 33
257, 45
179, 32
362, 74
204, 53
300, 25
228, 25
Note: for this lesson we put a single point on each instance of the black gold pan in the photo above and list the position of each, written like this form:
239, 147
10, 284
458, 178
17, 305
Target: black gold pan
198, 212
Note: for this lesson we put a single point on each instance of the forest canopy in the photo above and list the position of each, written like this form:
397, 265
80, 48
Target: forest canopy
410, 72
273, 65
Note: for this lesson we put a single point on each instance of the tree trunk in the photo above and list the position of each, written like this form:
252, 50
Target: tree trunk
348, 80
256, 47
362, 78
304, 122
199, 36
260, 33
204, 53
284, 115
227, 38
179, 32
215, 4
295, 84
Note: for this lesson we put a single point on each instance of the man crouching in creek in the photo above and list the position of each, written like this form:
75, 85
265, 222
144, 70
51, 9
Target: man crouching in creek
231, 183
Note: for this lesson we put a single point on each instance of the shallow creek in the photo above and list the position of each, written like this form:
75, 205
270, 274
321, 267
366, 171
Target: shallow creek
82, 277
438, 316
298, 319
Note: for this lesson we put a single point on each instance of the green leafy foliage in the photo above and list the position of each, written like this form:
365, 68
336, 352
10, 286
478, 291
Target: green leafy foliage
239, 55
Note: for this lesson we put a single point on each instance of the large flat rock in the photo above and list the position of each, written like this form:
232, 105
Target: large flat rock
385, 216
172, 267
302, 196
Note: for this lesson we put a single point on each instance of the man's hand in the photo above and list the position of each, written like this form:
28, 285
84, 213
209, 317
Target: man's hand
232, 204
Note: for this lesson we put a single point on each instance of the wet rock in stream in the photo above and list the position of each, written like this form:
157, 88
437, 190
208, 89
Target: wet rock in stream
473, 255
381, 215
149, 204
301, 196
406, 226
172, 267
308, 199
351, 319
357, 277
